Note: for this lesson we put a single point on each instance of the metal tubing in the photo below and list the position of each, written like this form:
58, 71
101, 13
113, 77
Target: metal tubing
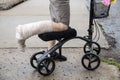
59, 45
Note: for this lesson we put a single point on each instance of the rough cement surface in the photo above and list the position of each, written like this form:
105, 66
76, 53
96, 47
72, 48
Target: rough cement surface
7, 4
15, 65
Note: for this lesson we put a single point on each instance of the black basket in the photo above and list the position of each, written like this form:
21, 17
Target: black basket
100, 10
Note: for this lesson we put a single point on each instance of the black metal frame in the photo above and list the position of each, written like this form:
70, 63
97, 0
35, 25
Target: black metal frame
60, 44
46, 58
88, 39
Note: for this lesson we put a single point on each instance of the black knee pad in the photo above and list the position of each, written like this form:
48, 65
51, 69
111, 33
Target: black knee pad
69, 33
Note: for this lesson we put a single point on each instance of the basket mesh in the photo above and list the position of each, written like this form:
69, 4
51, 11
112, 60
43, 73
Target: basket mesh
100, 10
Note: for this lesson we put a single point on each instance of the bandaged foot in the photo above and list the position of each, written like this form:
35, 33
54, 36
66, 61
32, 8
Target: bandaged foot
25, 31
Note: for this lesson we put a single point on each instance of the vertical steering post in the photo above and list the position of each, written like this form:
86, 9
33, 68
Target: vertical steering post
91, 17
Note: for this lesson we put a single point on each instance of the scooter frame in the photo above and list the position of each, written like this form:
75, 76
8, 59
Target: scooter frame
46, 56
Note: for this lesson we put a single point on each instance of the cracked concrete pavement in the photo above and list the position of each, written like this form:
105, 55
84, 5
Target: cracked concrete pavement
15, 65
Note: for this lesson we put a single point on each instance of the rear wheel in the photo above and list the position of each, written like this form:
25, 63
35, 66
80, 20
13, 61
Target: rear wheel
46, 66
34, 59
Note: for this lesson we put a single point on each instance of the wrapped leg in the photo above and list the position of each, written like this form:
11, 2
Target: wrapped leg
25, 31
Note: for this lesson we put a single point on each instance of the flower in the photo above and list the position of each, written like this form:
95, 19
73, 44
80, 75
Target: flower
106, 2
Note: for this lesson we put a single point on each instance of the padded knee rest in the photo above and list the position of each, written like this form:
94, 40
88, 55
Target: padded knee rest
69, 33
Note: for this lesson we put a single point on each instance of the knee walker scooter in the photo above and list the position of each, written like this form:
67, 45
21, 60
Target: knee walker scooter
43, 61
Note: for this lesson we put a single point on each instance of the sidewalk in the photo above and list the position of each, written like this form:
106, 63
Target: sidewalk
36, 10
15, 65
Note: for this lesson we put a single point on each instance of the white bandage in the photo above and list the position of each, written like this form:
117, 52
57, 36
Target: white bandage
25, 31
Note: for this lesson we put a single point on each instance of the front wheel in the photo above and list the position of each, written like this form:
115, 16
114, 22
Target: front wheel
90, 61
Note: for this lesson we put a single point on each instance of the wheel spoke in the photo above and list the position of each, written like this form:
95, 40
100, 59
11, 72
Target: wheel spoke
95, 60
45, 65
89, 65
48, 63
87, 57
47, 69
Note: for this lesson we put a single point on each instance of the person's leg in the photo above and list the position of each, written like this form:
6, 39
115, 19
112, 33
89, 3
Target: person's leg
51, 44
26, 31
60, 12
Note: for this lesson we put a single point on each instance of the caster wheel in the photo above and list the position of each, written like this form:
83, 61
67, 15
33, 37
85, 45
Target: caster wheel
33, 59
46, 66
95, 46
90, 61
